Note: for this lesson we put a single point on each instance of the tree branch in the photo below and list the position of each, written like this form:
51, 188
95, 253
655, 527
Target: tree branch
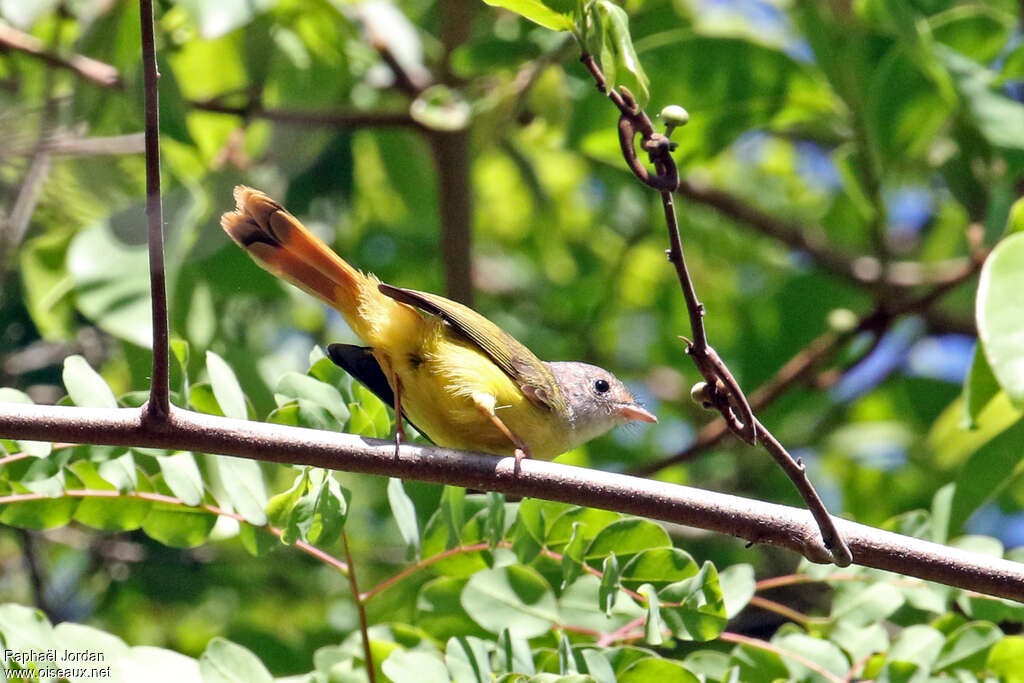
756, 521
862, 270
70, 145
296, 117
159, 390
90, 69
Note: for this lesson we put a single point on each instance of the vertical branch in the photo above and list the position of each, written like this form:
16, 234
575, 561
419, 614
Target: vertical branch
364, 629
159, 392
451, 156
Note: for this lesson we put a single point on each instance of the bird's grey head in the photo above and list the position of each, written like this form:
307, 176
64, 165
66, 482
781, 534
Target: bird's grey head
597, 399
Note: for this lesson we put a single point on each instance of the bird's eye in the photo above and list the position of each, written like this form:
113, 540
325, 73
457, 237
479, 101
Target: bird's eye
601, 386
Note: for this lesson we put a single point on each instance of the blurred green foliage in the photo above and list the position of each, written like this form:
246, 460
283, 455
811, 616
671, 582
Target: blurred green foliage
889, 131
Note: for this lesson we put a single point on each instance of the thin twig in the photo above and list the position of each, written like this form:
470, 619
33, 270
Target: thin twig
725, 393
364, 628
90, 69
159, 392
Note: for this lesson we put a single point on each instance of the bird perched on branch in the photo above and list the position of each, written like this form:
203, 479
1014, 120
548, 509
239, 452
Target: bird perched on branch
457, 377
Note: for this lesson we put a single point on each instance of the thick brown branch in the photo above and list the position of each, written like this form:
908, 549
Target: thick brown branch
90, 69
753, 520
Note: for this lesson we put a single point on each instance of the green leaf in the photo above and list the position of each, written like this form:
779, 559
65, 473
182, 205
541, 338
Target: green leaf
823, 653
178, 526
280, 507
257, 540
25, 629
626, 537
320, 514
1000, 317
121, 472
609, 588
738, 587
37, 514
968, 647
226, 388
617, 56
414, 667
313, 509
985, 474
182, 476
537, 12
467, 660
572, 556
81, 638
757, 665
950, 445
494, 528
515, 597
112, 282
143, 661
980, 387
862, 605
562, 524
107, 514
581, 604
712, 665
404, 513
46, 284
566, 660
1006, 659
217, 19
654, 669
515, 650
653, 625
201, 398
295, 386
658, 566
238, 483
978, 32
362, 423
225, 662
85, 386
598, 666
439, 610
700, 614
860, 642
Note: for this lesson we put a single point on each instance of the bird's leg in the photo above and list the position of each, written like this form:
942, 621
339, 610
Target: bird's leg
399, 428
485, 404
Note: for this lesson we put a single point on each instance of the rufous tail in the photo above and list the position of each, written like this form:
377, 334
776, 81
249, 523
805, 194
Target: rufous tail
282, 245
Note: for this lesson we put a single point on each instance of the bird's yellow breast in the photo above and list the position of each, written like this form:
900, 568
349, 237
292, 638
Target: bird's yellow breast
440, 372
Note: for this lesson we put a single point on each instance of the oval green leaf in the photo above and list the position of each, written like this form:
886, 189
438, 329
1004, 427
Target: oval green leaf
1000, 316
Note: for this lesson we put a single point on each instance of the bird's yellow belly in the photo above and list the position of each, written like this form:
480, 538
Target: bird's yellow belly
438, 381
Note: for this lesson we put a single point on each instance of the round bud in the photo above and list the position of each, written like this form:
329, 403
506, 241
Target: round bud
701, 394
674, 115
841, 320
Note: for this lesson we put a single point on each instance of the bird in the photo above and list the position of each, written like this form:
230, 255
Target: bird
454, 375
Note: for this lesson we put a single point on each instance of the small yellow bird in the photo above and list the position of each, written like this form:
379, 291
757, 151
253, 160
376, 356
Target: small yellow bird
457, 377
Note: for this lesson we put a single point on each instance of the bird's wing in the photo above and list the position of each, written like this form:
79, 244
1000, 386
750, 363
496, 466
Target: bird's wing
360, 362
515, 360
